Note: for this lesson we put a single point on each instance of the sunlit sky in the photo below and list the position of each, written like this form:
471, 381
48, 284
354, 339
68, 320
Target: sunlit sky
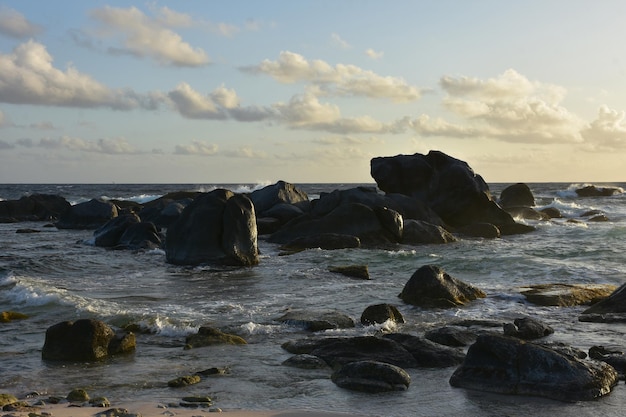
310, 90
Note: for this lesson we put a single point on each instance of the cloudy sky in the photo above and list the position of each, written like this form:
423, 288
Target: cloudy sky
309, 91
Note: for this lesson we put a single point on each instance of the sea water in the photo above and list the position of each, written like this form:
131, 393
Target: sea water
55, 275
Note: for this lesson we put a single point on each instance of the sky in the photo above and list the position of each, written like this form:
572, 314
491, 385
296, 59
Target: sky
211, 92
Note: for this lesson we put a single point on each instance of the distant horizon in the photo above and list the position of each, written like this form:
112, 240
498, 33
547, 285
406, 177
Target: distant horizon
246, 91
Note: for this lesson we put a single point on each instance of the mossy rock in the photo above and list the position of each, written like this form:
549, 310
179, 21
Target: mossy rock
184, 381
7, 316
208, 336
7, 399
78, 395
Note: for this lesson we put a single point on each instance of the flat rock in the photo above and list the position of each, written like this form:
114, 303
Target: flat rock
566, 295
371, 376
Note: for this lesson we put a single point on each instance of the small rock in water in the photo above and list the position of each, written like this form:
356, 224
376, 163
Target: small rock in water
354, 271
78, 395
183, 381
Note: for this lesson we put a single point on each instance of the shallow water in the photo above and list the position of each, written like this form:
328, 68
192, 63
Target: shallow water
55, 276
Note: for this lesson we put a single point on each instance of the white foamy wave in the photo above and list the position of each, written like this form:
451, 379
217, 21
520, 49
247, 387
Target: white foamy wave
251, 328
28, 294
164, 326
401, 253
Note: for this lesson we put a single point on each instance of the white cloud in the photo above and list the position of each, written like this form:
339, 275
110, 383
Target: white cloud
338, 41
340, 80
147, 36
196, 148
115, 146
245, 152
15, 25
374, 54
2, 120
194, 105
27, 76
608, 131
43, 126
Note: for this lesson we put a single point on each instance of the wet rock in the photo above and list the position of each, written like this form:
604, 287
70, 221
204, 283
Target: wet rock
380, 313
280, 193
614, 303
7, 399
326, 241
340, 351
88, 215
427, 354
108, 235
35, 207
317, 320
142, 235
305, 361
418, 232
615, 358
552, 212
451, 336
215, 371
8, 316
593, 191
354, 271
77, 395
515, 229
526, 213
184, 381
508, 365
567, 295
371, 376
484, 230
517, 195
527, 328
100, 402
431, 286
208, 336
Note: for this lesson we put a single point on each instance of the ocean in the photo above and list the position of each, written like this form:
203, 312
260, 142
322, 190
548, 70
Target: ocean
55, 275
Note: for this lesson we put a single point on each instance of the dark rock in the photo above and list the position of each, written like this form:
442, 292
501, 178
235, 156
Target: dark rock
281, 192
567, 295
217, 227
108, 235
267, 225
345, 350
184, 381
209, 336
515, 229
371, 376
517, 195
484, 230
283, 212
27, 231
35, 207
427, 354
317, 320
84, 340
593, 191
552, 212
305, 361
451, 336
215, 371
527, 328
354, 271
142, 235
431, 286
380, 313
88, 215
78, 395
308, 345
615, 358
599, 218
417, 232
508, 365
526, 213
8, 316
615, 303
590, 213
447, 185
603, 318
326, 241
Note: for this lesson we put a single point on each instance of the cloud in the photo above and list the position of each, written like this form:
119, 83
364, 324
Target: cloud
245, 152
43, 126
340, 80
337, 41
4, 145
115, 146
608, 131
191, 104
374, 54
15, 25
2, 119
509, 108
196, 148
144, 36
27, 76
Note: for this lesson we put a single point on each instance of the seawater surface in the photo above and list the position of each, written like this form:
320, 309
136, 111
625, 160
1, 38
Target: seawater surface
55, 275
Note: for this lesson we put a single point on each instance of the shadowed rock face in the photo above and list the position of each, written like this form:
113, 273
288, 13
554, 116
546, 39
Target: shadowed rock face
506, 365
371, 376
615, 303
447, 185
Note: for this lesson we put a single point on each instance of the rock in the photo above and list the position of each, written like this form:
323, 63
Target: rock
418, 232
566, 295
183, 381
508, 365
8, 316
484, 230
84, 340
326, 241
88, 215
35, 207
317, 320
527, 328
515, 229
208, 336
552, 212
7, 399
216, 228
447, 185
280, 193
593, 191
431, 286
427, 354
27, 231
517, 195
451, 336
354, 271
109, 234
603, 318
77, 395
615, 303
100, 402
599, 218
615, 358
283, 212
214, 371
267, 225
526, 213
380, 313
340, 351
371, 376
305, 361
142, 235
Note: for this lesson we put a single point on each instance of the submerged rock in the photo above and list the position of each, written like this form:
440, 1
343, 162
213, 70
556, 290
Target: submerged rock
427, 354
340, 351
317, 320
527, 328
208, 336
567, 295
354, 271
371, 376
380, 313
451, 336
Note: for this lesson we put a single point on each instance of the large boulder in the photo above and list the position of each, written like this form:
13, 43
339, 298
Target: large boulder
508, 365
142, 235
427, 353
614, 303
371, 376
527, 328
567, 295
345, 350
218, 227
593, 191
419, 232
84, 340
447, 185
317, 320
380, 313
88, 215
431, 286
109, 234
517, 195
280, 193
33, 207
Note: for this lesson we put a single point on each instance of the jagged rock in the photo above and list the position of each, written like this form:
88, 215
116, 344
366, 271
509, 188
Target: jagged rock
427, 354
508, 365
354, 271
279, 193
109, 234
615, 303
380, 313
431, 286
317, 320
371, 376
567, 295
208, 336
527, 328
